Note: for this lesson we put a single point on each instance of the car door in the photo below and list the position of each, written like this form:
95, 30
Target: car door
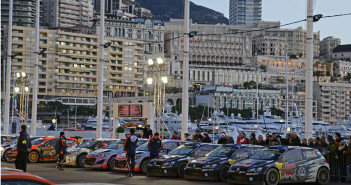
48, 148
308, 167
290, 162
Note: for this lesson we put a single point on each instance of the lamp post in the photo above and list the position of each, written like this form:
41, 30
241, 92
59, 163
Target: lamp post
22, 87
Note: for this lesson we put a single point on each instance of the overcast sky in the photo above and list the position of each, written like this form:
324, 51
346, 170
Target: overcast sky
287, 11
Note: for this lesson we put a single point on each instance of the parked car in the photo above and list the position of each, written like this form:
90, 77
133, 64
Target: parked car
6, 147
43, 149
7, 138
76, 155
142, 156
173, 164
104, 158
281, 164
13, 177
214, 166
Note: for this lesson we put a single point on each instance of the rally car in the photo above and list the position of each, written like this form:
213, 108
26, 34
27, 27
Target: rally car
104, 158
6, 147
281, 164
43, 149
142, 156
76, 156
173, 164
214, 166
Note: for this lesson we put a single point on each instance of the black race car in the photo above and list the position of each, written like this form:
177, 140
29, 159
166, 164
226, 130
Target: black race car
214, 166
173, 164
281, 164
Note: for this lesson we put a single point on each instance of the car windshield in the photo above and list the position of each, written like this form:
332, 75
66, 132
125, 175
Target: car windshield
116, 145
267, 155
88, 144
12, 142
183, 150
37, 141
222, 152
143, 147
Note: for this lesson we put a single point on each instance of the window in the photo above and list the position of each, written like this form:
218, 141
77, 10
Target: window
293, 155
148, 23
51, 143
170, 146
203, 150
244, 153
310, 154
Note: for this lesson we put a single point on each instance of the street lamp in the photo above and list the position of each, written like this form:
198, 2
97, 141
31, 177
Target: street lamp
159, 61
164, 79
150, 62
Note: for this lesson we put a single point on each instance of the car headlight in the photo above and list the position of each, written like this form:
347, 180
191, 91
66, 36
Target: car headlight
102, 155
210, 166
168, 163
255, 169
137, 157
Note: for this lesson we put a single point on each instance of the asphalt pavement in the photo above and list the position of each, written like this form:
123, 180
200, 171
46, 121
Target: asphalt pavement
82, 175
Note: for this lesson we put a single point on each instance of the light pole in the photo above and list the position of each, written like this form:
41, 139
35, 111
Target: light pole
22, 88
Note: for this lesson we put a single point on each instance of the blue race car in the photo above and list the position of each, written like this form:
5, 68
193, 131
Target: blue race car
281, 164
142, 156
173, 164
104, 158
214, 166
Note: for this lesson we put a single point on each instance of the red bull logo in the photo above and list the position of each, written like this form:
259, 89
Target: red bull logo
289, 171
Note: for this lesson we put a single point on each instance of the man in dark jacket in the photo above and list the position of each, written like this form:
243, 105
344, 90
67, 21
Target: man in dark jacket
62, 151
222, 139
295, 140
23, 147
253, 140
206, 139
147, 133
198, 137
155, 146
130, 147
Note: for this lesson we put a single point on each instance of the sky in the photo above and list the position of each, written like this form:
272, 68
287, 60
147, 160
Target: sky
287, 11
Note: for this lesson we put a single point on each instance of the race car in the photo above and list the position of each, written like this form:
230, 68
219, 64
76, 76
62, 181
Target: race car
76, 156
7, 138
142, 156
104, 158
6, 147
11, 176
173, 164
43, 149
281, 164
214, 166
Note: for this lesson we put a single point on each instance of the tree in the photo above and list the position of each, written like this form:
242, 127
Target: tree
86, 111
263, 68
277, 112
249, 85
347, 77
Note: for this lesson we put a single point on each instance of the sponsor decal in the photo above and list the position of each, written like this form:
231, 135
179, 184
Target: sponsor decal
247, 163
289, 171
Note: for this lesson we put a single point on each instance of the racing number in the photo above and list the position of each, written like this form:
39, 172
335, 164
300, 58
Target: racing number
48, 149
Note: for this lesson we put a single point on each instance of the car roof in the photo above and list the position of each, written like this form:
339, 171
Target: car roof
9, 173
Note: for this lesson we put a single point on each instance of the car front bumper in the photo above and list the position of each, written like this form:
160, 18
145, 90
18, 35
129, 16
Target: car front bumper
245, 178
121, 165
201, 174
92, 162
70, 160
162, 171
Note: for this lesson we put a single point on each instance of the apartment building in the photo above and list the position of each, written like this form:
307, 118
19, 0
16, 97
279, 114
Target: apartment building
333, 101
245, 12
327, 46
342, 52
123, 8
342, 68
66, 13
23, 13
70, 64
271, 46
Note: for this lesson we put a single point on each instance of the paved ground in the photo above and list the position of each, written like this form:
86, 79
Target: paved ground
82, 175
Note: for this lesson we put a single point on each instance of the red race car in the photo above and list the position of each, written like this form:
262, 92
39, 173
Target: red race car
11, 176
43, 149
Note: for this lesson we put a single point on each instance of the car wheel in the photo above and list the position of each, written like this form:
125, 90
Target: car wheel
80, 160
6, 153
181, 169
223, 173
111, 163
323, 176
143, 166
33, 157
272, 177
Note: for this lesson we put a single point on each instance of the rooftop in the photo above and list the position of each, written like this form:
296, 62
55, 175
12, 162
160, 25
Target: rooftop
342, 48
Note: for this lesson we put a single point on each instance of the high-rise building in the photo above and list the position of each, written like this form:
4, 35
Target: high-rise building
245, 12
66, 13
327, 46
23, 13
123, 8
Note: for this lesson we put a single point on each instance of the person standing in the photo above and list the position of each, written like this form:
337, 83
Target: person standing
62, 151
186, 137
230, 139
222, 139
206, 139
155, 146
130, 145
147, 133
23, 147
253, 140
175, 136
294, 140
198, 137
260, 141
241, 139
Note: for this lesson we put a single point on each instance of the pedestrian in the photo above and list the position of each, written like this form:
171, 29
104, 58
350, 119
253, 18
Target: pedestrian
155, 146
347, 153
147, 133
294, 140
130, 145
310, 142
338, 138
241, 139
186, 137
230, 139
222, 139
61, 151
304, 142
276, 139
267, 139
175, 136
260, 141
332, 146
271, 140
23, 147
316, 139
324, 144
198, 137
253, 140
206, 138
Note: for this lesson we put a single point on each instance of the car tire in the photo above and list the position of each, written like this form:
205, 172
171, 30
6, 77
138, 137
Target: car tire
80, 160
181, 170
111, 163
223, 173
6, 153
272, 177
33, 156
144, 165
323, 176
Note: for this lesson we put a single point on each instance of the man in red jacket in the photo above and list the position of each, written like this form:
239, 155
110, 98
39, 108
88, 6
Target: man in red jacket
241, 139
175, 136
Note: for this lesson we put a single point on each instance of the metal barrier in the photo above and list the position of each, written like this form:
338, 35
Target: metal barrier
340, 166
